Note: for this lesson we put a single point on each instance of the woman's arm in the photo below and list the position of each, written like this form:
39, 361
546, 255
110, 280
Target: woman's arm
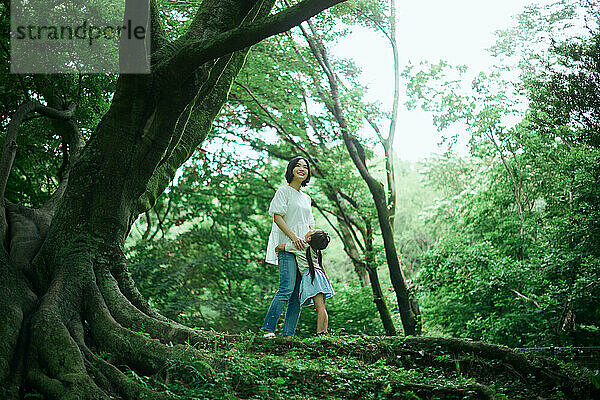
299, 243
310, 233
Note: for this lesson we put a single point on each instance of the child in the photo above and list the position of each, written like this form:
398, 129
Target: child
314, 287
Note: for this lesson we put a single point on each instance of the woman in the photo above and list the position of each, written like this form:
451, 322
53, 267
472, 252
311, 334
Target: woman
292, 222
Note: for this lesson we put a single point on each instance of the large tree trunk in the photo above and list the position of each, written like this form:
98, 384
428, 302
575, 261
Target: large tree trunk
72, 320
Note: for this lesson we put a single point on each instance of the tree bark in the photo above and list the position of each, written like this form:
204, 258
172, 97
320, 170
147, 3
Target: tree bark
378, 296
72, 320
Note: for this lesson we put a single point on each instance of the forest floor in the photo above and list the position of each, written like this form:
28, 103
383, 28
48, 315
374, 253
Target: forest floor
363, 367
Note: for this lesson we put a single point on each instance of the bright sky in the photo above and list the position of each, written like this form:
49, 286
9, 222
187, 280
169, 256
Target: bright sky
458, 31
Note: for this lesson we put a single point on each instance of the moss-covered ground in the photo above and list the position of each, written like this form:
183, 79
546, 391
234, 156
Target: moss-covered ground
251, 367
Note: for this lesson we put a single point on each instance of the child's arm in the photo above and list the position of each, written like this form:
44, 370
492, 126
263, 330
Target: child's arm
291, 248
285, 247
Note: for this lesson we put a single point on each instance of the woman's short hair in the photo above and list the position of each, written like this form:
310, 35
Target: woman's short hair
289, 173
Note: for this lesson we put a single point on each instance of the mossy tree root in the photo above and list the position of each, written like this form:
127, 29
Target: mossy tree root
140, 352
73, 330
16, 302
128, 288
543, 371
129, 316
56, 366
115, 381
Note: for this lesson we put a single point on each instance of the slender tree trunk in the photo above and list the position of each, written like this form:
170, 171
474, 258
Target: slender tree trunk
388, 143
378, 296
409, 320
352, 251
379, 300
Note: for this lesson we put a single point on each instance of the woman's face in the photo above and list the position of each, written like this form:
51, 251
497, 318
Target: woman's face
301, 170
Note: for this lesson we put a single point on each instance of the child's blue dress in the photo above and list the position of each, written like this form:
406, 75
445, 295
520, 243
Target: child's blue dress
309, 289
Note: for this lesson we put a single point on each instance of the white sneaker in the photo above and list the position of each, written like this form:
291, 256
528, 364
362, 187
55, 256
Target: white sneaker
269, 335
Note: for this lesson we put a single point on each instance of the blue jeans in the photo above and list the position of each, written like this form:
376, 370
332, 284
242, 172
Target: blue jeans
289, 286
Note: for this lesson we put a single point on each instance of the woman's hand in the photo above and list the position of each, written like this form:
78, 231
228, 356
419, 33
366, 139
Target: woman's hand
310, 233
299, 243
280, 247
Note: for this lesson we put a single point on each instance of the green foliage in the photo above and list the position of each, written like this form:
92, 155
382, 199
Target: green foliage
520, 263
413, 234
469, 292
212, 274
248, 366
40, 162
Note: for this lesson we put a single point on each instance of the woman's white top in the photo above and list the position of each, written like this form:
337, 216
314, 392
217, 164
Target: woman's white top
295, 208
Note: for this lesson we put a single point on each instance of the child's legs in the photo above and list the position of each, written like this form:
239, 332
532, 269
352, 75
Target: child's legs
322, 317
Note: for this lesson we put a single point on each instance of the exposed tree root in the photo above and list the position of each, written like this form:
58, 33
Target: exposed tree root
59, 342
115, 381
545, 373
16, 302
129, 289
59, 362
52, 388
129, 316
141, 353
106, 375
61, 373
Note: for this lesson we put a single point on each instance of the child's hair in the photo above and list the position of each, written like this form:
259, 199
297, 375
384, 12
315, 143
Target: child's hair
318, 241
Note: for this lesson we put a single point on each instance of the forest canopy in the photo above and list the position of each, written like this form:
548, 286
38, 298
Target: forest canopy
135, 212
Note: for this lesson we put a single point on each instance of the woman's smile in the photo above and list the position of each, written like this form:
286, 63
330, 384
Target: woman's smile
301, 170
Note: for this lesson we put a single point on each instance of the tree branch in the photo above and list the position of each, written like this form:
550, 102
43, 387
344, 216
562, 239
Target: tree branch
10, 144
490, 134
346, 219
193, 55
148, 226
524, 297
281, 129
349, 199
322, 211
